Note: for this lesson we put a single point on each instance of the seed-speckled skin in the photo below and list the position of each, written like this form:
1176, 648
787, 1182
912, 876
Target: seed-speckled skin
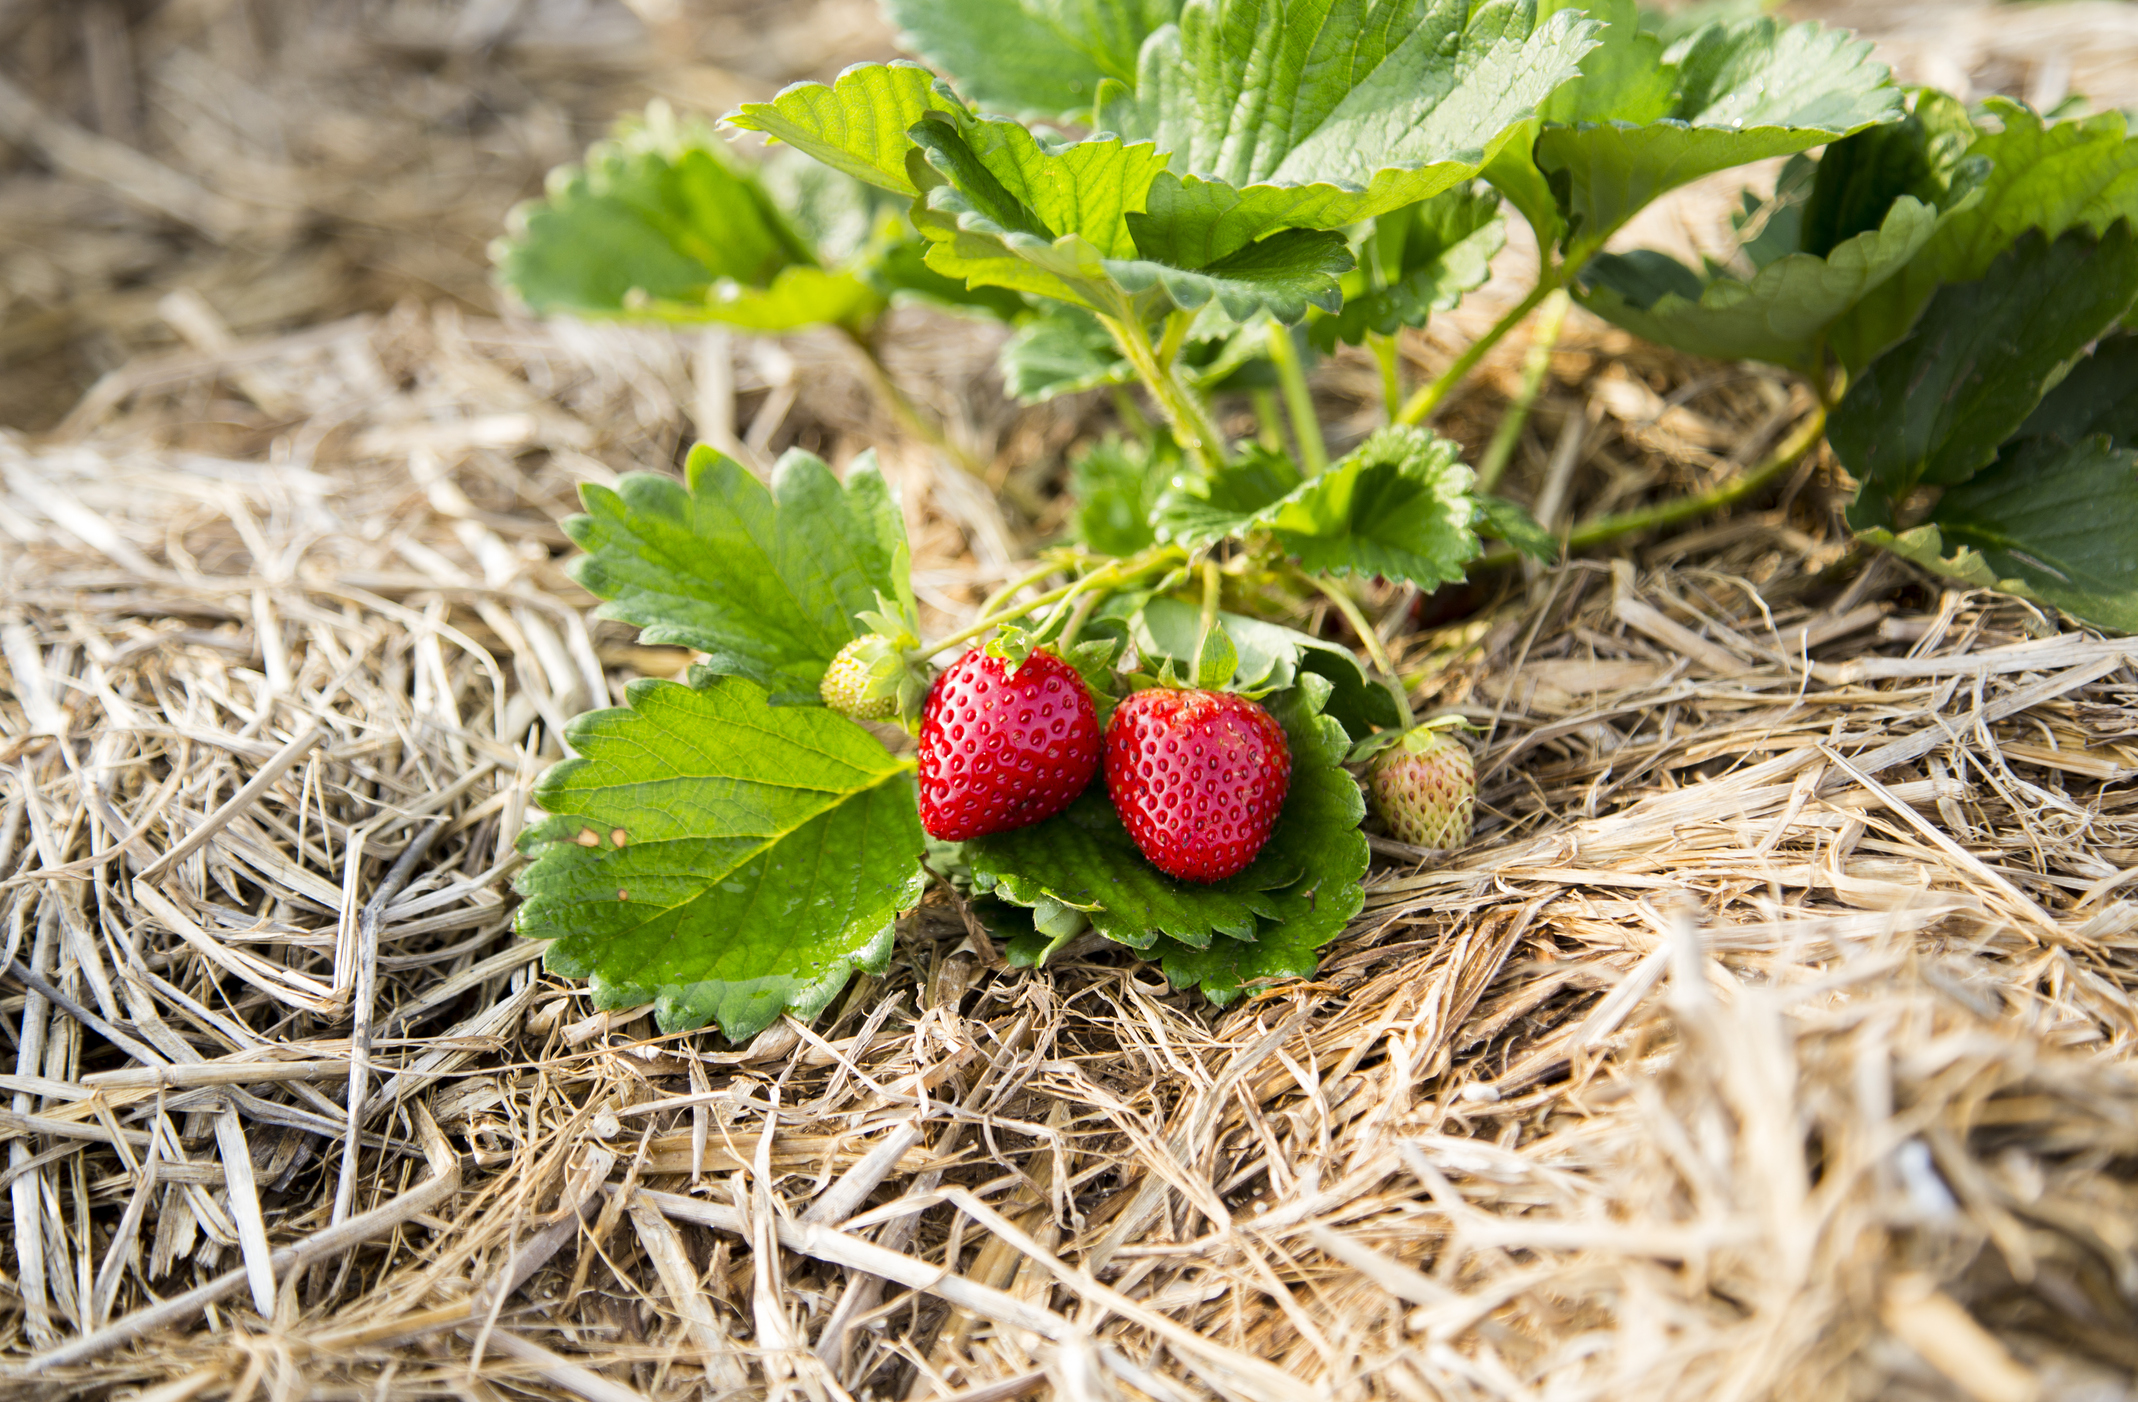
845, 686
1002, 751
1425, 789
1199, 778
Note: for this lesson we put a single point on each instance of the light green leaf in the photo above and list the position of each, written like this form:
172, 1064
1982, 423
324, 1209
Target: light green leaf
1417, 261
1116, 483
1780, 316
1271, 658
1084, 859
662, 223
1321, 113
1039, 58
1743, 93
2052, 521
1313, 910
1398, 506
766, 854
859, 123
766, 582
1061, 351
2033, 175
1934, 409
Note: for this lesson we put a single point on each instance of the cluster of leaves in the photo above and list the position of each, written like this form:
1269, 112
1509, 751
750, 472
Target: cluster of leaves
1258, 181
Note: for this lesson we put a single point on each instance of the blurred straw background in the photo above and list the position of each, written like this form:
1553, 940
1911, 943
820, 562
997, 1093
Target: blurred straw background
1774, 1039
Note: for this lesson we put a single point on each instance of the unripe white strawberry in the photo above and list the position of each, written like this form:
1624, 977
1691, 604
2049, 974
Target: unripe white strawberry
1425, 788
862, 681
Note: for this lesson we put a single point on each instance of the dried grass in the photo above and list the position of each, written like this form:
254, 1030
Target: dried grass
1774, 1039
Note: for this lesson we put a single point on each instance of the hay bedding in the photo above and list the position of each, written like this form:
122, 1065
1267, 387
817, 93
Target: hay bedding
1773, 1040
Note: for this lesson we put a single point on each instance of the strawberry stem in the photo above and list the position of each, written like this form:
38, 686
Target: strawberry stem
1356, 617
1118, 572
1298, 401
1421, 405
1211, 586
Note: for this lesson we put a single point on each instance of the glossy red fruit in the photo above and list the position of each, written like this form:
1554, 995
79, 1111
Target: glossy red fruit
1003, 747
1199, 778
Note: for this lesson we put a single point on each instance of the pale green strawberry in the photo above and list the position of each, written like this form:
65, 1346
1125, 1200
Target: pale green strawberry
1425, 788
862, 681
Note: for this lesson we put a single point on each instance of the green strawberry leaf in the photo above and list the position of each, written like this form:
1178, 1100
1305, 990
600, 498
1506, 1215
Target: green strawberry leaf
1398, 506
1511, 522
1317, 114
1313, 910
1780, 316
859, 123
768, 583
1741, 93
1935, 408
2032, 175
766, 853
1063, 350
1116, 483
2100, 395
1271, 658
1923, 155
1305, 879
662, 223
1040, 58
2049, 520
1418, 260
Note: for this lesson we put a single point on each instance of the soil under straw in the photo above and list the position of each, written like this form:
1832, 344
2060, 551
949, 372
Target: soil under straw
1772, 1041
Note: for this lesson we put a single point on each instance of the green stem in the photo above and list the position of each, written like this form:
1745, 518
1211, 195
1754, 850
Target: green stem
1119, 572
1177, 324
1267, 433
1212, 585
1190, 423
905, 412
1389, 354
1009, 591
1421, 405
1298, 402
1605, 529
1535, 366
1356, 617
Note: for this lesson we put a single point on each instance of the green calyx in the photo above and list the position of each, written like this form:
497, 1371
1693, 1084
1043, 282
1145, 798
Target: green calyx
1424, 738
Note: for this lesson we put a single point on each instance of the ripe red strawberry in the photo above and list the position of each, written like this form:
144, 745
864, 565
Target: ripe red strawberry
1425, 788
1004, 746
1198, 777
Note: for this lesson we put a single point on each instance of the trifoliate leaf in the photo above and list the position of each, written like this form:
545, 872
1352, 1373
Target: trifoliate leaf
1116, 483
662, 223
1418, 260
1038, 58
1085, 860
1779, 316
1313, 910
1934, 409
1271, 658
769, 583
859, 123
1398, 506
1742, 93
1511, 522
2033, 175
1320, 113
719, 857
2052, 521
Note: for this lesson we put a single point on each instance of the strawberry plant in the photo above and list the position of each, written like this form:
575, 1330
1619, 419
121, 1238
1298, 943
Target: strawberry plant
1257, 182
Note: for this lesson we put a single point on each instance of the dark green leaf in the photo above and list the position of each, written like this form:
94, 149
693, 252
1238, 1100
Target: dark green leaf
767, 583
859, 123
766, 854
1511, 522
1085, 860
1321, 113
1420, 259
1030, 57
2100, 395
2050, 521
1935, 408
1116, 483
1858, 179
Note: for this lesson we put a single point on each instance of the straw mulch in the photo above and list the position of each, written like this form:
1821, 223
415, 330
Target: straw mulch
1773, 1040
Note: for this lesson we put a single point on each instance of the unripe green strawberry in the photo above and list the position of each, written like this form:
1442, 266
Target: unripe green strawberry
859, 683
1425, 788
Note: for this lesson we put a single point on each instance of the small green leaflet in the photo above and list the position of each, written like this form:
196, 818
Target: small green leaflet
1062, 350
859, 123
1035, 58
1511, 522
1298, 893
1116, 482
2033, 175
1398, 506
1743, 93
1418, 260
2051, 521
722, 858
662, 224
1269, 658
1934, 409
766, 582
1318, 114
